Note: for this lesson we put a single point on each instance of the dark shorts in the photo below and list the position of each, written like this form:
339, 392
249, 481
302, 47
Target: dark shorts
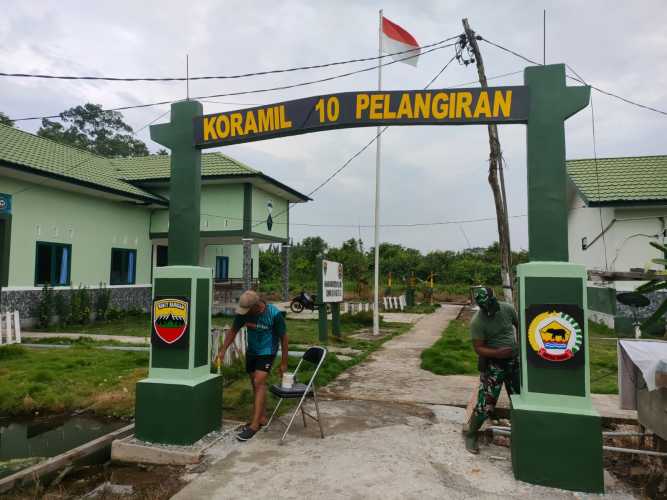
262, 363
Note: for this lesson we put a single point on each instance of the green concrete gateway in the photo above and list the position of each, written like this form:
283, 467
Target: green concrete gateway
556, 434
74, 218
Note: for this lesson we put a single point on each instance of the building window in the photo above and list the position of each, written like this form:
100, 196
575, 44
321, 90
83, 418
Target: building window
52, 264
162, 256
222, 268
123, 266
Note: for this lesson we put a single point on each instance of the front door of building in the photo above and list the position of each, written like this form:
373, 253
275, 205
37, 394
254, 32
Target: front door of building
222, 268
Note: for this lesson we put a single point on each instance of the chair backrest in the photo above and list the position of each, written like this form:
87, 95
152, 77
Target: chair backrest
314, 354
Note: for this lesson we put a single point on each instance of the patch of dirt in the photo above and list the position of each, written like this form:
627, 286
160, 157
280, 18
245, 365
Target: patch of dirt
147, 482
646, 475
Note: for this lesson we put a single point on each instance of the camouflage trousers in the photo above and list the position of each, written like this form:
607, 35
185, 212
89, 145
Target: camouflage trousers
498, 372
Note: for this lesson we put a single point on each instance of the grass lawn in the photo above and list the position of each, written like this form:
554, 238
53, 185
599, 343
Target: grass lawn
131, 325
59, 380
103, 381
453, 354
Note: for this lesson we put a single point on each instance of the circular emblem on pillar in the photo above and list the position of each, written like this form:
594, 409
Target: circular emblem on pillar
555, 336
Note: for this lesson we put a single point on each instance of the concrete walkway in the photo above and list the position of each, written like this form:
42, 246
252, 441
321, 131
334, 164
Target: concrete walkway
393, 374
125, 339
383, 441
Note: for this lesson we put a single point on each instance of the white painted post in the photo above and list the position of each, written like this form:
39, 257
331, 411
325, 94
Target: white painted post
8, 325
17, 327
7, 329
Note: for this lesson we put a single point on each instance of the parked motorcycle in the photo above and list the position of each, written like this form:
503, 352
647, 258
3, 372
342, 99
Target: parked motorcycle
304, 301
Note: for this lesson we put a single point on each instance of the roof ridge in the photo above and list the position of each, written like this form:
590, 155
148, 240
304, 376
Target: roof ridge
615, 158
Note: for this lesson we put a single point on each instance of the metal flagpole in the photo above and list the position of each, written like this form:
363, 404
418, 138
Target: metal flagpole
376, 291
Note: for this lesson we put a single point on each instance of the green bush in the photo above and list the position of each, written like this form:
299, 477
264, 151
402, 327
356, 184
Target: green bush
61, 305
86, 304
102, 303
45, 307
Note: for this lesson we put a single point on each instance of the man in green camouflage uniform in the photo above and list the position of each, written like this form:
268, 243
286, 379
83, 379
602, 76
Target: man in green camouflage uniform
494, 341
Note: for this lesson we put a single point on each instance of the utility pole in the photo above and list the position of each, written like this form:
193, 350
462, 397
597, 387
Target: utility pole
497, 185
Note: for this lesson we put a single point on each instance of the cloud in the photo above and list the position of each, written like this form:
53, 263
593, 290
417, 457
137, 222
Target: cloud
429, 173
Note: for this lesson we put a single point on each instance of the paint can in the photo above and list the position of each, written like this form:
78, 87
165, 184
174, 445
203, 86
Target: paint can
288, 380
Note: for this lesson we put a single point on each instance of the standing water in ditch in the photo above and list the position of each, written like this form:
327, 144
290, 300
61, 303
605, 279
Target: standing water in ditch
26, 442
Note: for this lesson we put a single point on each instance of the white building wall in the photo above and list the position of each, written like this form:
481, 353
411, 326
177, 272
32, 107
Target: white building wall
626, 242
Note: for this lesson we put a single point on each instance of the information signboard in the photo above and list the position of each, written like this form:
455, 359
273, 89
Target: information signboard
332, 281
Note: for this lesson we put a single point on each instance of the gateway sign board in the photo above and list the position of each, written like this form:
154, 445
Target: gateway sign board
363, 109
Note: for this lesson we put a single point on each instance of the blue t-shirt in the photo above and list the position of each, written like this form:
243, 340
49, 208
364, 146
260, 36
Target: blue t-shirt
264, 336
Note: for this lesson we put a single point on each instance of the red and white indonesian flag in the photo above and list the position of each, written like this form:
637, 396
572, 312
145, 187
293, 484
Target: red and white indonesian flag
396, 39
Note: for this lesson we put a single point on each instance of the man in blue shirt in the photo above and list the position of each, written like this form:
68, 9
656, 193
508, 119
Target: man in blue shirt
266, 329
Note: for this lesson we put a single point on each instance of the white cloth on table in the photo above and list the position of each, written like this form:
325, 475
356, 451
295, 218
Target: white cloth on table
647, 357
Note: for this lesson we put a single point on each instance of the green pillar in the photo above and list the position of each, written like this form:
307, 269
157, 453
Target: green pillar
335, 319
322, 323
185, 182
551, 103
556, 432
180, 401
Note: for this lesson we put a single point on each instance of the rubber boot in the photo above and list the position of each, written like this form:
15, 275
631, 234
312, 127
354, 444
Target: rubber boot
471, 435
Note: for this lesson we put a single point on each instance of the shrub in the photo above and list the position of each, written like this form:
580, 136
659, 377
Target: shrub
86, 304
61, 306
45, 306
102, 302
114, 314
74, 306
80, 305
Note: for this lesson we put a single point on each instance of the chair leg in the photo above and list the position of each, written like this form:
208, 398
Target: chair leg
275, 410
317, 410
303, 416
296, 410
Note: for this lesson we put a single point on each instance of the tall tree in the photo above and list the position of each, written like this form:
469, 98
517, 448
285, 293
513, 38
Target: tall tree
6, 120
90, 127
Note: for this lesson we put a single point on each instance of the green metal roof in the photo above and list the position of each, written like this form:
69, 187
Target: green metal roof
636, 180
28, 152
46, 157
141, 168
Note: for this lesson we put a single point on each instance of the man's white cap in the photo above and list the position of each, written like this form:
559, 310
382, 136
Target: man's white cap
247, 300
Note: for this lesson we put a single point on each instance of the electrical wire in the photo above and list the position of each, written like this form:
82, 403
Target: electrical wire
225, 77
365, 226
597, 89
254, 91
358, 153
597, 173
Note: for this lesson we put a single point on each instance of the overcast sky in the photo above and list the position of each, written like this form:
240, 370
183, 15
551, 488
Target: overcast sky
430, 174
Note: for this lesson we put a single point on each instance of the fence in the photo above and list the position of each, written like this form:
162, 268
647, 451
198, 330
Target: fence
355, 307
235, 351
394, 303
10, 328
